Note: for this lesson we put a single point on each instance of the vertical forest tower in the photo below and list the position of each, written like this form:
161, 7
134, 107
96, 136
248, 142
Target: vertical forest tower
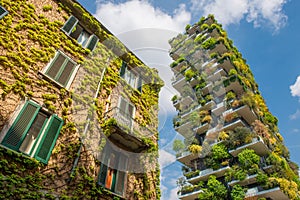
232, 147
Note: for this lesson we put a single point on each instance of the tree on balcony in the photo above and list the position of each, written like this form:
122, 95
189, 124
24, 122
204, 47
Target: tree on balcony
249, 160
239, 136
214, 190
218, 155
178, 146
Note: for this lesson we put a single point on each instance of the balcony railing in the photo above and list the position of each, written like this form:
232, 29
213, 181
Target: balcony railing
204, 174
259, 192
189, 192
127, 132
257, 145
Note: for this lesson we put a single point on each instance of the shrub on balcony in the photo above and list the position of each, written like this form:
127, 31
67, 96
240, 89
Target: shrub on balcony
195, 148
187, 27
206, 119
209, 43
238, 192
230, 117
189, 74
248, 159
230, 95
178, 146
192, 174
174, 98
240, 136
215, 190
223, 136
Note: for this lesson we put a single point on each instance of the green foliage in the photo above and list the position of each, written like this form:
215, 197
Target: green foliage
215, 190
248, 159
47, 8
237, 192
178, 145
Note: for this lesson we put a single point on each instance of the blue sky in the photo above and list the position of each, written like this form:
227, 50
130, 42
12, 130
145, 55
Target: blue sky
265, 31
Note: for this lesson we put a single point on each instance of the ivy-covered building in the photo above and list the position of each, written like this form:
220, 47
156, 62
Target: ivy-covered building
232, 147
78, 110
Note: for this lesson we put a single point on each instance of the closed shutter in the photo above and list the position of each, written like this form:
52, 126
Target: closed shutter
49, 138
92, 42
123, 68
69, 25
15, 135
121, 175
56, 65
66, 73
140, 83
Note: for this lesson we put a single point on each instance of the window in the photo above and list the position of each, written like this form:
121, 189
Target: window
125, 108
112, 173
34, 132
3, 12
76, 31
61, 69
131, 78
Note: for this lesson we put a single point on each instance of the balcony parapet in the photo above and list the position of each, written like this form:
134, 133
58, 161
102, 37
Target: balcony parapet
125, 131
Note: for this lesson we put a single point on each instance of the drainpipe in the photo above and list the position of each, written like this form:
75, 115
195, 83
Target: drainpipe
87, 125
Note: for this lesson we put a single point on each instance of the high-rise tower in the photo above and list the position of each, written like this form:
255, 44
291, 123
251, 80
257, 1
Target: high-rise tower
232, 148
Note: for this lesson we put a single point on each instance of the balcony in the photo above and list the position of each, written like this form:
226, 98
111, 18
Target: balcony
247, 181
234, 123
227, 65
204, 174
203, 127
219, 109
193, 82
199, 107
257, 145
186, 157
259, 192
125, 132
209, 63
207, 89
184, 129
179, 83
244, 111
231, 83
219, 48
182, 102
189, 192
216, 75
178, 67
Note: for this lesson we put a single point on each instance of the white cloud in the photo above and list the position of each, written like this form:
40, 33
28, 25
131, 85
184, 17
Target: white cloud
295, 88
138, 14
295, 115
165, 158
145, 30
260, 12
172, 195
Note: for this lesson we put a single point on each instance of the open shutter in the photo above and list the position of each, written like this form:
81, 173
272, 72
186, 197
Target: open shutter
121, 175
69, 25
140, 83
49, 138
92, 42
103, 167
3, 12
123, 68
15, 135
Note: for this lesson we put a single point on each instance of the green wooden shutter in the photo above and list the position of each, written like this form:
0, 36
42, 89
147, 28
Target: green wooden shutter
3, 12
15, 135
47, 143
69, 25
55, 65
123, 68
92, 42
66, 73
140, 83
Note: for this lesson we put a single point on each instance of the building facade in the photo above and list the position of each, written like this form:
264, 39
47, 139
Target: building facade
232, 148
78, 110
